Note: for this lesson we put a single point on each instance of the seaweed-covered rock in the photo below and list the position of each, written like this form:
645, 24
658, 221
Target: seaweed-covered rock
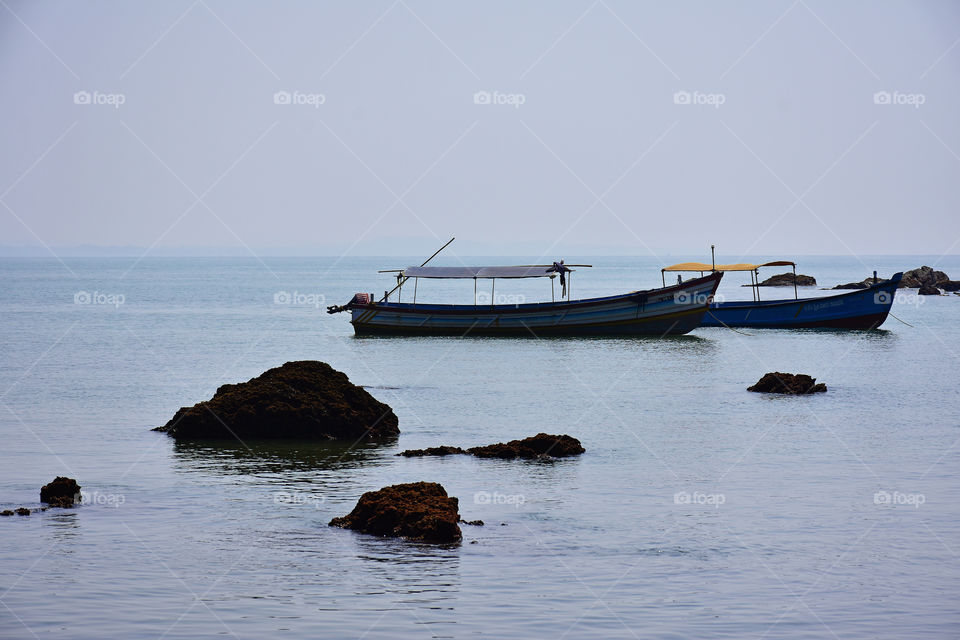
787, 383
419, 511
539, 446
786, 280
299, 400
442, 450
62, 492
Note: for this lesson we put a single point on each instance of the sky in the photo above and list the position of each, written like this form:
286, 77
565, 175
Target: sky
387, 127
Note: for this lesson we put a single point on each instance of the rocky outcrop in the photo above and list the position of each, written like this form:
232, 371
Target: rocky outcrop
62, 492
927, 289
857, 285
916, 278
542, 445
300, 400
419, 511
23, 511
787, 383
431, 451
786, 280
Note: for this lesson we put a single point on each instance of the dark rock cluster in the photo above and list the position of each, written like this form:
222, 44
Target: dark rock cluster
542, 445
786, 280
300, 400
419, 511
778, 382
62, 492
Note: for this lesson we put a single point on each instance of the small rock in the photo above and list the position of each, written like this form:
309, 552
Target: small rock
23, 511
61, 490
472, 523
431, 451
786, 280
542, 445
787, 383
6, 512
419, 511
473, 542
927, 289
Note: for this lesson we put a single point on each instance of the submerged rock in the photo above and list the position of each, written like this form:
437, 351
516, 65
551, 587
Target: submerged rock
303, 400
62, 492
541, 445
787, 383
431, 451
23, 511
6, 512
786, 280
928, 289
419, 511
472, 523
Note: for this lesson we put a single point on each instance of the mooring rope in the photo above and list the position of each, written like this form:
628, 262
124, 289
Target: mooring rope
744, 333
903, 321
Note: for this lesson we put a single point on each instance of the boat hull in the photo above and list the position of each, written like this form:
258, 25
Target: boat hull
859, 309
672, 310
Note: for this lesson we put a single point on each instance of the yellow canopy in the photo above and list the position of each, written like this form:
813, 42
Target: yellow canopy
742, 266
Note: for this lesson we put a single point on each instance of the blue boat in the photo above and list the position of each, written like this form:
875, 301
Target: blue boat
859, 309
672, 310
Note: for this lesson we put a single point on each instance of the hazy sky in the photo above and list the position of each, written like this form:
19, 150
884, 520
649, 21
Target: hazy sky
537, 127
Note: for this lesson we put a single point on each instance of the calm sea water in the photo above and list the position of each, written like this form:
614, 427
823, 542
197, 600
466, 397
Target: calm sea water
699, 510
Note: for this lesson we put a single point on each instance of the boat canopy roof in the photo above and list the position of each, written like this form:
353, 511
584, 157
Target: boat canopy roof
521, 271
741, 266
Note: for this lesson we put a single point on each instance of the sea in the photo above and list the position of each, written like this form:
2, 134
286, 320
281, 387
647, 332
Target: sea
699, 510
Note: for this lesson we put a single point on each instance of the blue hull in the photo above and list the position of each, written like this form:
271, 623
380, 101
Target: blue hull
858, 309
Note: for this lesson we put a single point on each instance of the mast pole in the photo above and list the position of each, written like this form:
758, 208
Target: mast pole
713, 258
424, 263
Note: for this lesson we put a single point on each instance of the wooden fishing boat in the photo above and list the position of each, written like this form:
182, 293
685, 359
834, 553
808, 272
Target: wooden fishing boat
671, 310
859, 309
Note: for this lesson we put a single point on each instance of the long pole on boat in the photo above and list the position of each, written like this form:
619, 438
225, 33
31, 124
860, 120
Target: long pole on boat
405, 278
713, 258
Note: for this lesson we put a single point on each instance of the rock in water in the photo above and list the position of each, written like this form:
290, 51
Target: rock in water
927, 289
916, 278
541, 445
787, 383
62, 492
419, 511
442, 450
786, 280
300, 400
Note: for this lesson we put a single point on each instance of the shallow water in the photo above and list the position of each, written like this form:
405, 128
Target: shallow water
698, 510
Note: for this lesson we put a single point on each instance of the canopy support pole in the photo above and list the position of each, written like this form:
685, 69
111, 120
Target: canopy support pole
795, 295
474, 292
663, 278
415, 282
757, 280
493, 291
553, 296
386, 295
